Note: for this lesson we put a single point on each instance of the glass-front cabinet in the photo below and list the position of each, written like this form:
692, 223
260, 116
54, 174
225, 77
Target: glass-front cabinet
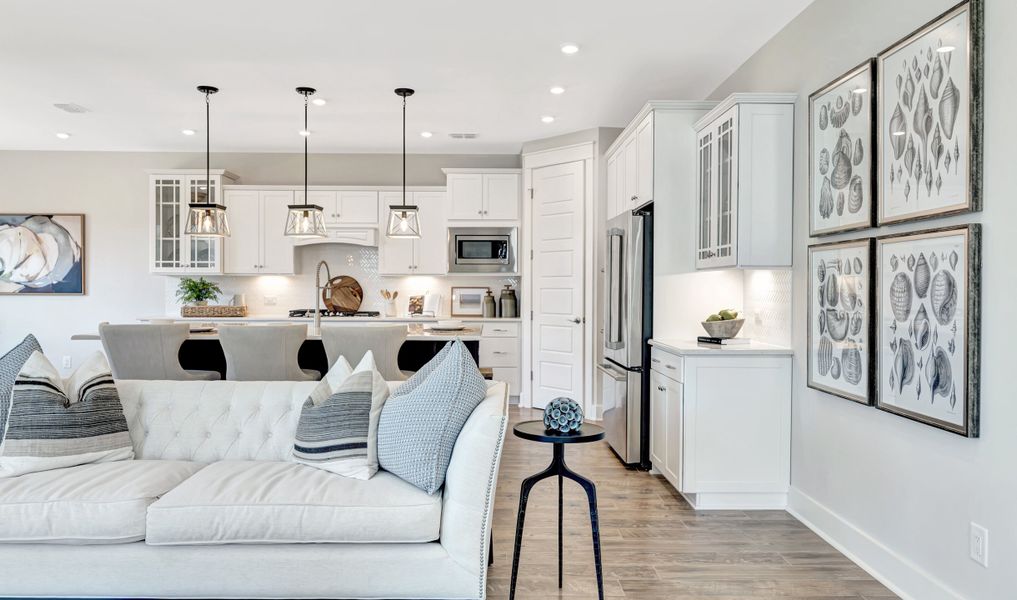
172, 251
717, 192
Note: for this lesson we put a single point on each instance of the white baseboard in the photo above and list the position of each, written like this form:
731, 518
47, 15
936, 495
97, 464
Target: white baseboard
902, 576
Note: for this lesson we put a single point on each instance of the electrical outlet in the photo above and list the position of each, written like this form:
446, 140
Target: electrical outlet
67, 364
270, 300
979, 543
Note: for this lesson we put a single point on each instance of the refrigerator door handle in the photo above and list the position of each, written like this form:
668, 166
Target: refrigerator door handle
613, 373
614, 322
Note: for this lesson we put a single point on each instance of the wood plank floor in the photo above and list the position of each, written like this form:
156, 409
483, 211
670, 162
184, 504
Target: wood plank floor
654, 544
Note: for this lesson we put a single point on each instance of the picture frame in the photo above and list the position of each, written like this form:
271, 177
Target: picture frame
468, 301
42, 254
928, 326
841, 321
842, 153
929, 138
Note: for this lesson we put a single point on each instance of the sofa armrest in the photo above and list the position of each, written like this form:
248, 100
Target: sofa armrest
470, 484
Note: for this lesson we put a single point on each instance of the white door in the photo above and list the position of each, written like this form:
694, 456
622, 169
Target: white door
501, 196
358, 208
276, 248
395, 255
466, 196
558, 286
243, 248
430, 257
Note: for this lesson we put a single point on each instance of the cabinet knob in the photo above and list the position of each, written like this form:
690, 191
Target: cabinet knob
480, 212
661, 388
634, 198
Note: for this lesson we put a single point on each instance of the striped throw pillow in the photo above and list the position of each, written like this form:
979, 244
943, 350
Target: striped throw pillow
54, 423
340, 433
10, 366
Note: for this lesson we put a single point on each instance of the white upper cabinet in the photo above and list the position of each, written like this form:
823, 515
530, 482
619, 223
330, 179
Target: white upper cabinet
171, 251
352, 208
423, 256
744, 182
258, 245
644, 163
476, 195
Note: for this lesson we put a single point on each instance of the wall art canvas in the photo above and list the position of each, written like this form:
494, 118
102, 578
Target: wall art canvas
42, 254
841, 157
930, 119
840, 319
928, 327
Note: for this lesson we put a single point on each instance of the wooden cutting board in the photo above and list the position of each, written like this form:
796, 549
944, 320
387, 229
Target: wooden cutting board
342, 294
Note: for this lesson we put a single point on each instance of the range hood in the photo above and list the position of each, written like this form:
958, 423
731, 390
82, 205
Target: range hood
367, 236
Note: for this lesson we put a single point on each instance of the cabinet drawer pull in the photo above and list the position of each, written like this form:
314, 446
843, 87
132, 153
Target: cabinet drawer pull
500, 330
500, 352
656, 360
672, 367
661, 388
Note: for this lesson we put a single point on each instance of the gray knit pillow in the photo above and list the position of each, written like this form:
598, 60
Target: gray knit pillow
10, 366
417, 378
418, 429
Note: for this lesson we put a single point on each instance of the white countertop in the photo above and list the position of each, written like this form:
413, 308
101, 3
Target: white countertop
692, 347
415, 332
284, 317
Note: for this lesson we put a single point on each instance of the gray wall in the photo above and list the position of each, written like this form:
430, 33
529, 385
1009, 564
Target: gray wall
896, 495
111, 189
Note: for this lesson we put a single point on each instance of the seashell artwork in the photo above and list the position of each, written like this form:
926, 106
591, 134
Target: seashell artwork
840, 113
847, 268
821, 320
921, 328
900, 297
922, 121
856, 323
939, 183
894, 262
843, 144
851, 365
858, 265
956, 155
824, 116
826, 199
824, 161
949, 105
936, 79
943, 297
837, 324
907, 97
840, 171
824, 356
835, 368
911, 262
933, 261
907, 190
859, 153
909, 156
821, 271
848, 292
857, 103
953, 259
898, 131
840, 204
938, 374
832, 289
903, 371
855, 194
936, 147
923, 275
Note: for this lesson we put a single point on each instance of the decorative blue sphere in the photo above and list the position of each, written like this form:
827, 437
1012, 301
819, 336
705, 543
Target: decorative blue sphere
563, 415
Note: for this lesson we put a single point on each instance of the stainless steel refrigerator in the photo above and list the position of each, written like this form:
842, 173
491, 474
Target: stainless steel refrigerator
628, 325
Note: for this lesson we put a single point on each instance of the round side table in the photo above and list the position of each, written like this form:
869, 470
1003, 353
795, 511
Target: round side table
535, 431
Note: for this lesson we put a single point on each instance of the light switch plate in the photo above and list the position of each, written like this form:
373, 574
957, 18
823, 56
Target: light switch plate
979, 543
270, 300
67, 363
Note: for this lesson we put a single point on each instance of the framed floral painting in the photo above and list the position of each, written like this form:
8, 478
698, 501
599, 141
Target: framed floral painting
42, 254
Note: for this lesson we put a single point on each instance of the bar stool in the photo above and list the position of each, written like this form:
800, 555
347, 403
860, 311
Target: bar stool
264, 352
353, 341
149, 352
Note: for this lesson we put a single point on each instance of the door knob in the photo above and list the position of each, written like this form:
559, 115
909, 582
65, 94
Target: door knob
577, 320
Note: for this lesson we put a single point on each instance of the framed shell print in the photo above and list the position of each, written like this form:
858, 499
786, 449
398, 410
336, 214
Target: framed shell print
930, 119
841, 157
928, 327
841, 319
42, 254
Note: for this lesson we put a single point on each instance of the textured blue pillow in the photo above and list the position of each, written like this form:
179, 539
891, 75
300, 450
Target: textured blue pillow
417, 378
10, 366
419, 428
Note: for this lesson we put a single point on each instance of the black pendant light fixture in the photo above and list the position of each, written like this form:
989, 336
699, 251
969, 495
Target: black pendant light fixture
404, 219
305, 220
207, 218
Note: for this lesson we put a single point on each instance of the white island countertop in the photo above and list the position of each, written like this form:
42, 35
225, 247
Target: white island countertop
415, 332
285, 318
692, 347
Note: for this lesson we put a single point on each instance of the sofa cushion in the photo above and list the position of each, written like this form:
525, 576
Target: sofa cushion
257, 502
418, 430
10, 366
101, 503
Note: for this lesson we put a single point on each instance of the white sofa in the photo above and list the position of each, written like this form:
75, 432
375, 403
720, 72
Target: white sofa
214, 507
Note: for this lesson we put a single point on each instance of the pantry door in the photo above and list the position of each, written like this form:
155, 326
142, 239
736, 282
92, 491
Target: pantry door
558, 295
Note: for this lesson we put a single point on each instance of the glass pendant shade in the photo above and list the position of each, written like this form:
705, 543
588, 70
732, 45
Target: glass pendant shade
305, 221
403, 221
207, 220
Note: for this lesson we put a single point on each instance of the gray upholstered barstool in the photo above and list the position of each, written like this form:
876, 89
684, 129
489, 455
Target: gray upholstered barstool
148, 352
353, 341
264, 352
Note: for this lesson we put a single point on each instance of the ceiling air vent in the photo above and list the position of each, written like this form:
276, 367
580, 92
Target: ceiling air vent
463, 136
71, 108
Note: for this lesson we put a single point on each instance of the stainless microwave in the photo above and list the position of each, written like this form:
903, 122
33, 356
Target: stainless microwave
482, 249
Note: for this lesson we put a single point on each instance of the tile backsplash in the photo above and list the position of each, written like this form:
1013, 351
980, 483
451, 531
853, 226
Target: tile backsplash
276, 294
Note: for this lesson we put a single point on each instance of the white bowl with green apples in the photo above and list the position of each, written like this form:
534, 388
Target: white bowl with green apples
723, 324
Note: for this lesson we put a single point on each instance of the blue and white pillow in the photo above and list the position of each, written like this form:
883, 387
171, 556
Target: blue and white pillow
419, 428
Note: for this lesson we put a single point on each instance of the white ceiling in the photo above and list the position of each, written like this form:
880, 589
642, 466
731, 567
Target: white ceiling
478, 66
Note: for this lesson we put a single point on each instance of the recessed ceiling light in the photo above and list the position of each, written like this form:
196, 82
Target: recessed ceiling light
569, 48
319, 102
556, 90
187, 131
547, 119
943, 49
64, 136
304, 132
426, 134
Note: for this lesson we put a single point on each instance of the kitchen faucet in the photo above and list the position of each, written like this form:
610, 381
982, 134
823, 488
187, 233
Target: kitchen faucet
318, 287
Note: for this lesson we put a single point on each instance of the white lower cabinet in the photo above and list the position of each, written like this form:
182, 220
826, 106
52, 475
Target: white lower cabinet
720, 428
500, 350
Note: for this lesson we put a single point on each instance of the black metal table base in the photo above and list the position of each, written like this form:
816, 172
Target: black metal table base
560, 469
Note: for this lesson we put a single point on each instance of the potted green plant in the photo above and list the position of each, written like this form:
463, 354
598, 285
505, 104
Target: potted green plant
197, 292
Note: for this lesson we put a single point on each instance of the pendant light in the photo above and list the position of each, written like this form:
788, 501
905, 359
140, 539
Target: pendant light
305, 220
207, 218
404, 219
